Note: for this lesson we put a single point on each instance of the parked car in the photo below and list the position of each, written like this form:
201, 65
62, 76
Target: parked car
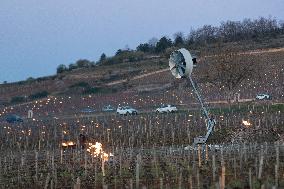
166, 109
126, 110
13, 118
263, 97
108, 108
88, 110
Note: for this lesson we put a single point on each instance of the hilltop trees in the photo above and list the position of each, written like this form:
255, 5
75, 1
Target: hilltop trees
61, 68
72, 66
81, 63
144, 47
84, 63
178, 39
102, 58
163, 44
231, 31
227, 32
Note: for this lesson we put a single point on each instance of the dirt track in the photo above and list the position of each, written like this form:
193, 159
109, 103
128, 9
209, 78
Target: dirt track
260, 51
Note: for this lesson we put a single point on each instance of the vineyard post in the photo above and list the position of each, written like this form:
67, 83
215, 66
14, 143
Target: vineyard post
213, 167
206, 150
235, 168
138, 160
222, 178
277, 164
85, 162
1, 169
180, 180
260, 163
131, 183
61, 156
120, 162
155, 163
51, 184
36, 165
47, 181
19, 176
190, 181
250, 178
77, 184
95, 175
103, 167
199, 155
198, 178
161, 183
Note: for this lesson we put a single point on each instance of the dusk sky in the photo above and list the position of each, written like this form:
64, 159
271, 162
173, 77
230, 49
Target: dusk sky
38, 35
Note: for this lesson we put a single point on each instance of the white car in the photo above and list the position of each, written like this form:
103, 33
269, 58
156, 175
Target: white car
166, 109
262, 96
126, 110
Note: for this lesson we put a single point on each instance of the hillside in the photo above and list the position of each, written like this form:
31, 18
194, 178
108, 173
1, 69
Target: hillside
150, 76
69, 140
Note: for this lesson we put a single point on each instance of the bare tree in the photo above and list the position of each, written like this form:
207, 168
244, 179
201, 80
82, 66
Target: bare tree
178, 39
229, 68
153, 41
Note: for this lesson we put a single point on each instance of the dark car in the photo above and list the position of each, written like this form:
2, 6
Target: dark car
88, 110
108, 108
13, 118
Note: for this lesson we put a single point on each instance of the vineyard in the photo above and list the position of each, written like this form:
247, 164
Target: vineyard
62, 147
246, 150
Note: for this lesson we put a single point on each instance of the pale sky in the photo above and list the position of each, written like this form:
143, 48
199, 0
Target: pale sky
38, 35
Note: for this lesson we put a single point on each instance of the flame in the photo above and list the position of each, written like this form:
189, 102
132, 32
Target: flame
246, 123
69, 143
96, 150
64, 144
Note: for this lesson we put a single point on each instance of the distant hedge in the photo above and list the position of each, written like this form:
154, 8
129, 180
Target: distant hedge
96, 90
17, 99
38, 95
80, 84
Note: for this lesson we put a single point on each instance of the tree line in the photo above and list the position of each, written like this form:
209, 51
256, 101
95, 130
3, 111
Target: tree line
227, 31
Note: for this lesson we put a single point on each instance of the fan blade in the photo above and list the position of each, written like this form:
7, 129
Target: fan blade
183, 66
171, 68
181, 71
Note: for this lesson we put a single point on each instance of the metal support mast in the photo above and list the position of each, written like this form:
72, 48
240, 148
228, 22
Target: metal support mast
210, 121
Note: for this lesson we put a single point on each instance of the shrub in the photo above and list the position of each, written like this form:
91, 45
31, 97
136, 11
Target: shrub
61, 68
17, 99
42, 94
91, 90
80, 84
95, 90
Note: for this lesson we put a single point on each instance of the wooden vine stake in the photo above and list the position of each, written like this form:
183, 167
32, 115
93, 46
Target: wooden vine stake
61, 156
36, 166
260, 163
199, 155
222, 178
161, 183
250, 178
47, 181
213, 167
78, 184
206, 155
137, 169
103, 167
277, 165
